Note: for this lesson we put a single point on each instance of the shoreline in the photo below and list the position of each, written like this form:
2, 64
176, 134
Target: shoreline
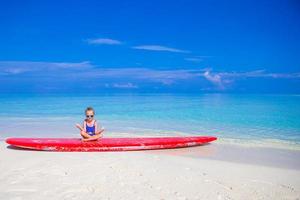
250, 155
262, 143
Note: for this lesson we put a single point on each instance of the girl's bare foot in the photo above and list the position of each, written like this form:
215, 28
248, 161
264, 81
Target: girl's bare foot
88, 139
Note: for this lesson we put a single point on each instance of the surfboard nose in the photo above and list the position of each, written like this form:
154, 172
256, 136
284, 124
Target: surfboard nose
8, 140
13, 141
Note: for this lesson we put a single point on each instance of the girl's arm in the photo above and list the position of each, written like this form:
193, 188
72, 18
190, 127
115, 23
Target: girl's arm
79, 127
98, 131
84, 125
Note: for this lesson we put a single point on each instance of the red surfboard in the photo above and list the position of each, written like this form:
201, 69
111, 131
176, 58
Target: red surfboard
108, 144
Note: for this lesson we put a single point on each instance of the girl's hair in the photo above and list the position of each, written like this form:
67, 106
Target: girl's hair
90, 109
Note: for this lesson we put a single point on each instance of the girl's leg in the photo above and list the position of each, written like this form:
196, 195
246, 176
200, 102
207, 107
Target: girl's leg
84, 135
92, 138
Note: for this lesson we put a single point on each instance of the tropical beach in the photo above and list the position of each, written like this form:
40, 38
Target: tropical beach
150, 100
236, 166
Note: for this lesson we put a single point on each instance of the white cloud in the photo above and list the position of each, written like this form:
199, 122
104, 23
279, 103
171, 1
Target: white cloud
83, 71
18, 67
258, 74
221, 79
100, 41
124, 85
214, 78
197, 60
159, 48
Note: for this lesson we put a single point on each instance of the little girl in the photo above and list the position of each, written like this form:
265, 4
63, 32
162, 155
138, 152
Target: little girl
89, 131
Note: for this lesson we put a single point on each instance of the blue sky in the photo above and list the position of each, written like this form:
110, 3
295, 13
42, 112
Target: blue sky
150, 46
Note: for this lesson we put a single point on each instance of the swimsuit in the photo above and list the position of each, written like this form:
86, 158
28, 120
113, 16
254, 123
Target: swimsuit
90, 129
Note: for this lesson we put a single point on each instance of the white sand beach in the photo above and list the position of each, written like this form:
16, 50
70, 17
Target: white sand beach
207, 172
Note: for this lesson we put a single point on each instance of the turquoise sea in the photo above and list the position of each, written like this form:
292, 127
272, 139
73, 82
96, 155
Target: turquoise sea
238, 118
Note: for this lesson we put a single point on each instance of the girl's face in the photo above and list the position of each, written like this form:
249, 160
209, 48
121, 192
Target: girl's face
89, 115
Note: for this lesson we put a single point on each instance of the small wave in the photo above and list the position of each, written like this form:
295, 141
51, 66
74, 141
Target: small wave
268, 143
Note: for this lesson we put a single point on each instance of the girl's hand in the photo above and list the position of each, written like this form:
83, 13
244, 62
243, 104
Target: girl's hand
79, 127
